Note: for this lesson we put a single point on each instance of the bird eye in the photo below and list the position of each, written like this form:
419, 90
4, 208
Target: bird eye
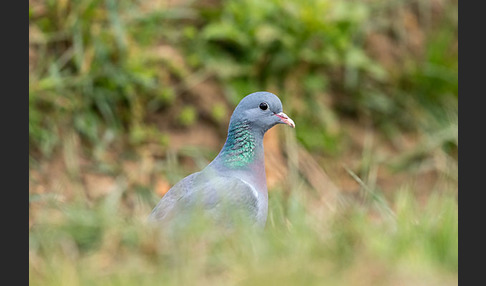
263, 106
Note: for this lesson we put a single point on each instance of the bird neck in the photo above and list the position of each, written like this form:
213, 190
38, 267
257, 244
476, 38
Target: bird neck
243, 146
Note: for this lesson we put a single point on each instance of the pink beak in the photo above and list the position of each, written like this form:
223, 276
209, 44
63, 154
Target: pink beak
285, 119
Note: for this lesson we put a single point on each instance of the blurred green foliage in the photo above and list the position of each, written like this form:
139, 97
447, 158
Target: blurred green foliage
99, 65
293, 46
107, 71
90, 74
314, 52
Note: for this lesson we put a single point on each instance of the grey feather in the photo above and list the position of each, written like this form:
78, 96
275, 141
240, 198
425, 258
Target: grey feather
220, 197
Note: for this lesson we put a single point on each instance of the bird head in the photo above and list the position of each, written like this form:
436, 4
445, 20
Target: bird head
262, 110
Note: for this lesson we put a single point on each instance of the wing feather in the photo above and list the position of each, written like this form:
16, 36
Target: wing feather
220, 197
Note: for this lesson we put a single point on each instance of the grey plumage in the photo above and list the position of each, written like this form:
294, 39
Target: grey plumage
233, 185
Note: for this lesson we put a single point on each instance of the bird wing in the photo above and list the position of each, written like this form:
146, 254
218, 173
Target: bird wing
172, 197
222, 198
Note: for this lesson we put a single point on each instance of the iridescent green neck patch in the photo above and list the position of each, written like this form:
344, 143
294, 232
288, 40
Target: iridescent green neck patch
239, 149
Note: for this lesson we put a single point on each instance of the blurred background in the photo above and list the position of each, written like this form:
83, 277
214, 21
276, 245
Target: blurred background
128, 97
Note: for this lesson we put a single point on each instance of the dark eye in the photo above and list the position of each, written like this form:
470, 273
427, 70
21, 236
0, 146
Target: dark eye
263, 106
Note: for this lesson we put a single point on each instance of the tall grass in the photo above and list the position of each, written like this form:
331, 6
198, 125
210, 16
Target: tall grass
303, 243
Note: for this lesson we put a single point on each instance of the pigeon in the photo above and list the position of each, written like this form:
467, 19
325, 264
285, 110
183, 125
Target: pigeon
233, 185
